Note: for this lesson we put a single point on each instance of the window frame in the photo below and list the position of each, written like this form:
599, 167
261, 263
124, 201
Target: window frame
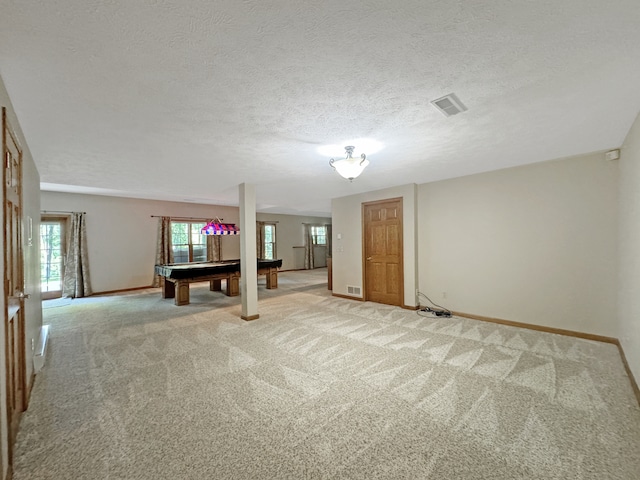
272, 243
315, 235
190, 245
63, 222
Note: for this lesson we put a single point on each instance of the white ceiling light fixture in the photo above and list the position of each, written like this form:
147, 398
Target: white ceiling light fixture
350, 167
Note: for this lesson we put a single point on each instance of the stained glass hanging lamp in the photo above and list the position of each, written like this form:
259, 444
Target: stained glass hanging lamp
216, 227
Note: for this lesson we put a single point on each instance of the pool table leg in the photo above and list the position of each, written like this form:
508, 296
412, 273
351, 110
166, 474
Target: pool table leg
272, 278
182, 296
168, 289
233, 285
215, 285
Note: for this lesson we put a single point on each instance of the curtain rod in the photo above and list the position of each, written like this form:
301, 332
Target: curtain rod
203, 218
160, 216
59, 211
187, 218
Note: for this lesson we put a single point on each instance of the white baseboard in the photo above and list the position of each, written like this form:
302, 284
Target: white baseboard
41, 349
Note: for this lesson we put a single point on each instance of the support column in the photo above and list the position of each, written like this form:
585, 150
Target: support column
248, 253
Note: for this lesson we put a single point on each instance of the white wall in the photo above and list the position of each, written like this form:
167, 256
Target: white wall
629, 249
290, 234
346, 214
33, 304
534, 244
32, 309
121, 234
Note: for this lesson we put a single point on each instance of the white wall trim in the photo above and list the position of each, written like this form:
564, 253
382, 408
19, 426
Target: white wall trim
40, 352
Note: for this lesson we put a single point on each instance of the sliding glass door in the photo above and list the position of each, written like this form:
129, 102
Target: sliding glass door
52, 250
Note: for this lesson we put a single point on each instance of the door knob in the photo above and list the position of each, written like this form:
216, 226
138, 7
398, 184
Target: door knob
369, 258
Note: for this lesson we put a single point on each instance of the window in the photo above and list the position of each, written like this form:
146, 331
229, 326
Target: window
269, 241
319, 235
189, 245
52, 232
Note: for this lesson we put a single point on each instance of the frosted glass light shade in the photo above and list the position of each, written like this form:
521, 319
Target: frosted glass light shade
350, 167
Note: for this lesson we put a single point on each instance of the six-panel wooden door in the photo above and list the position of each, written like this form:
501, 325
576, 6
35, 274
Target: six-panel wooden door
383, 255
13, 279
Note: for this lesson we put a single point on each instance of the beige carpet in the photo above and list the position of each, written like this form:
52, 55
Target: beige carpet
318, 388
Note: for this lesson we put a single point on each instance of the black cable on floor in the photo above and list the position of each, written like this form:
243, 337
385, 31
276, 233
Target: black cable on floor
439, 312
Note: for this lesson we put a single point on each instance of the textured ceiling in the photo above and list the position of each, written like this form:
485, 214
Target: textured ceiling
185, 99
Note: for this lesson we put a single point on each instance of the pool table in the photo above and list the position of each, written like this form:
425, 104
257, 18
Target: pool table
178, 276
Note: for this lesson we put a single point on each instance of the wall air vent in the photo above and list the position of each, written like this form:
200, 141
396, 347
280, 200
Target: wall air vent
449, 105
353, 290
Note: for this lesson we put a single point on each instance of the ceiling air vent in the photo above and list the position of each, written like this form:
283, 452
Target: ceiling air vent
449, 105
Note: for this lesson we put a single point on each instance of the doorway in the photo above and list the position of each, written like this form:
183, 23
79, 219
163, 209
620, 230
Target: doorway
383, 252
53, 234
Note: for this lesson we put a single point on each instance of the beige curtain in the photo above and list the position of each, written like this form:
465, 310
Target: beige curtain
76, 271
214, 248
164, 251
260, 239
308, 247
